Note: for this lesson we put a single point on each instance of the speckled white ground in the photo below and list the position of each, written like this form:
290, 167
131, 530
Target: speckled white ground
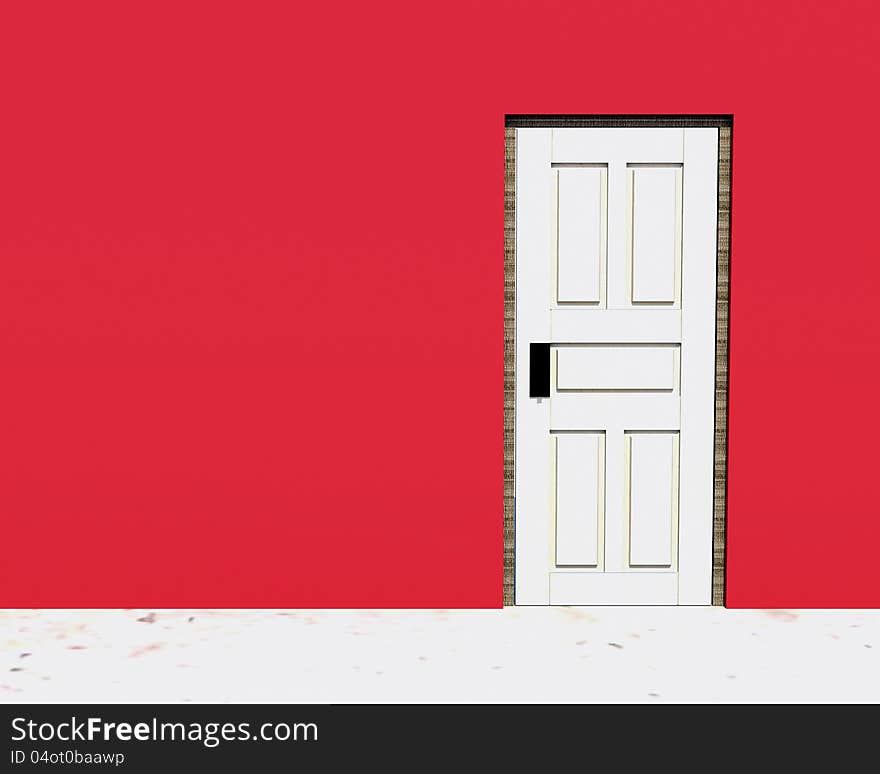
516, 654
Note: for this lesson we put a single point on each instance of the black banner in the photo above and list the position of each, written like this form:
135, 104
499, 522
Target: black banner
256, 738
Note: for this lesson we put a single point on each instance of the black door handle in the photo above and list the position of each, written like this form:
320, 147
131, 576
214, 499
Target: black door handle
539, 370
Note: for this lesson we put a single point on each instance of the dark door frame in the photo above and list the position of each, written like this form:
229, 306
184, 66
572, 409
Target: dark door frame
724, 124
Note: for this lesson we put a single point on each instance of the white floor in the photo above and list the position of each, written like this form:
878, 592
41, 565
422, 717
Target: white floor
511, 655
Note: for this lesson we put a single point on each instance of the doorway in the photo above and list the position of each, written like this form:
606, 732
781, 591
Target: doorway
616, 314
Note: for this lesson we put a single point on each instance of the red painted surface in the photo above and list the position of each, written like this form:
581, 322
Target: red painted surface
251, 289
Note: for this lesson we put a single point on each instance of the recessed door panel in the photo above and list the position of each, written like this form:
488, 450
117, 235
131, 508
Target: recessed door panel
655, 233
616, 368
580, 498
581, 232
652, 497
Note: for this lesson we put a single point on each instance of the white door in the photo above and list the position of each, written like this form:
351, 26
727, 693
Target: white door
615, 334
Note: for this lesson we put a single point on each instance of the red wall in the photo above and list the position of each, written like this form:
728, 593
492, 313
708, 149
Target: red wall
251, 289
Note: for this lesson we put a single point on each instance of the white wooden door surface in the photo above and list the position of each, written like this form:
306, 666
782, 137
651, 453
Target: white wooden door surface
615, 268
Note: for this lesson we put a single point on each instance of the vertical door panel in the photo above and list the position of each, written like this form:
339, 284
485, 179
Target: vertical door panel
655, 218
580, 498
581, 234
652, 498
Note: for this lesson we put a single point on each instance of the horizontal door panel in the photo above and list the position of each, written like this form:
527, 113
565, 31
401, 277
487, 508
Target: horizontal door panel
615, 326
611, 368
613, 588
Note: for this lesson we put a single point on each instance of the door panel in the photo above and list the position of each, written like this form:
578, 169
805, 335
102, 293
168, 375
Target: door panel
616, 268
616, 368
580, 498
652, 497
581, 234
654, 216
